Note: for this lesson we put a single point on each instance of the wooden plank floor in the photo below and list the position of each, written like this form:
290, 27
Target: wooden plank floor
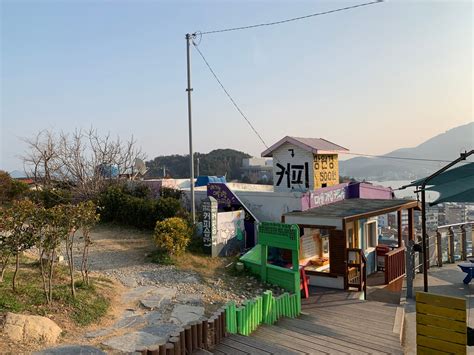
332, 322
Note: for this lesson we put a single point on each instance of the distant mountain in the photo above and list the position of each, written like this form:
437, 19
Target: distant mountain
218, 162
445, 146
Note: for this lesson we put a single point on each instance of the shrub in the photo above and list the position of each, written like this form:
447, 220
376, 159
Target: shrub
120, 207
172, 235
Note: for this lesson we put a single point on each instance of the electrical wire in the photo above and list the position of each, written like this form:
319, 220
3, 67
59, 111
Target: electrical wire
399, 158
291, 19
228, 95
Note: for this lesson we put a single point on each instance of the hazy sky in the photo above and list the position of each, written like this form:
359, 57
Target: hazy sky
371, 79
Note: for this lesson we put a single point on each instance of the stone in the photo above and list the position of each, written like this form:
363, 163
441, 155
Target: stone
193, 299
128, 281
153, 317
130, 321
71, 349
137, 292
162, 330
19, 327
98, 333
132, 342
184, 314
158, 297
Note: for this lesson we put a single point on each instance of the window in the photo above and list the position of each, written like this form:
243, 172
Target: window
371, 234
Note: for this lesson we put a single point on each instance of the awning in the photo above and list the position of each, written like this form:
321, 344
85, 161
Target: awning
454, 185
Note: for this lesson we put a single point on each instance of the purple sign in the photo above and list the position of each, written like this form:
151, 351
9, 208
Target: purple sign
324, 196
223, 195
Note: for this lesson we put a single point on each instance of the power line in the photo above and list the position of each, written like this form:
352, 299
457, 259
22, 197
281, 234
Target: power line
290, 19
229, 96
398, 158
265, 144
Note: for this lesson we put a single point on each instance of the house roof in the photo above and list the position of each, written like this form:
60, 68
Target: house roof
356, 208
314, 145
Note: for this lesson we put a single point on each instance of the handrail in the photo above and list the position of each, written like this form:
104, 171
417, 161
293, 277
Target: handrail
394, 265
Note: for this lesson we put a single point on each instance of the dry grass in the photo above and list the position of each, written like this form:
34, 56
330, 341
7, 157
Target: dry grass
203, 264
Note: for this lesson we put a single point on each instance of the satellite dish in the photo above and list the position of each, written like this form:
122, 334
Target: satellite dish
140, 166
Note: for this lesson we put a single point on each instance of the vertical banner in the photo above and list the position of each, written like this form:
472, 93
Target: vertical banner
209, 223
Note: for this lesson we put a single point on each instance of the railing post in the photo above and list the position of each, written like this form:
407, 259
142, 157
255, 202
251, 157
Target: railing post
450, 245
439, 249
463, 243
387, 268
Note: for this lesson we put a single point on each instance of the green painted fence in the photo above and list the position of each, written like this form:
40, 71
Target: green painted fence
265, 309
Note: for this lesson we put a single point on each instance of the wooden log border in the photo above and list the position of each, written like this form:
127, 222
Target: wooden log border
206, 334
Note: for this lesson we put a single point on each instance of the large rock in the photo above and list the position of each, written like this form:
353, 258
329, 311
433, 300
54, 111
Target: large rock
135, 341
71, 349
19, 327
183, 314
158, 297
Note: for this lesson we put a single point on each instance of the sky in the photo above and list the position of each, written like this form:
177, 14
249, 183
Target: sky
372, 79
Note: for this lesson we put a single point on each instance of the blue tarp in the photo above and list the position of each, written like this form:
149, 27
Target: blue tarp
205, 180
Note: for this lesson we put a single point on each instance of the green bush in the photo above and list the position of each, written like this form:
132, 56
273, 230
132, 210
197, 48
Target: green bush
50, 197
123, 208
172, 235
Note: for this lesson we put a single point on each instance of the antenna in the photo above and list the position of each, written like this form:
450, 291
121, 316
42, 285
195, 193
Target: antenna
140, 167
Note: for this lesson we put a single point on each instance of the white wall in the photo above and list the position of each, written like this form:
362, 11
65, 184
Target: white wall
270, 206
282, 156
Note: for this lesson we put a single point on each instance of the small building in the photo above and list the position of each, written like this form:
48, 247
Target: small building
257, 170
304, 164
338, 235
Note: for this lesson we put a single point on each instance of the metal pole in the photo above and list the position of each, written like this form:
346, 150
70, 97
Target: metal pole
462, 156
191, 155
423, 238
197, 168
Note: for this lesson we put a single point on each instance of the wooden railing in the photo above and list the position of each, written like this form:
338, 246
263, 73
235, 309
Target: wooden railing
394, 265
356, 270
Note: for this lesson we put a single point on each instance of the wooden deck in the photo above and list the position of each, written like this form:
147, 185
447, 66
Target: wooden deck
333, 322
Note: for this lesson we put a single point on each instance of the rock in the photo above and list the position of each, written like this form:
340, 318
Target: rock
134, 341
71, 349
137, 292
162, 330
193, 299
128, 281
98, 333
158, 297
130, 321
19, 327
153, 317
184, 314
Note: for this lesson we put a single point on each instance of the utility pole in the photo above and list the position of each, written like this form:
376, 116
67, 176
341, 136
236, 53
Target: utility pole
197, 168
189, 38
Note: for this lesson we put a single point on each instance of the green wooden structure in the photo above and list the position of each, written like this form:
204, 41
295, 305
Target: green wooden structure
267, 308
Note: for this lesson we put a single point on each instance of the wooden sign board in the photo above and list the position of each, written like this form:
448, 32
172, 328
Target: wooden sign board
440, 324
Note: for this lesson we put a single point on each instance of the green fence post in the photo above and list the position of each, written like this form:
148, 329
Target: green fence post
267, 306
286, 304
239, 320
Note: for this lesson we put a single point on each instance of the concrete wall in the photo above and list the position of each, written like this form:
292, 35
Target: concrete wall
270, 206
282, 156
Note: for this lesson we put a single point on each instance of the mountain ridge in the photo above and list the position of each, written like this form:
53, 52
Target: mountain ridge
444, 146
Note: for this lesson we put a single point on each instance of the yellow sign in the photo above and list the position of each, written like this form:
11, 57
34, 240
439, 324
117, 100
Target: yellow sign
440, 324
326, 170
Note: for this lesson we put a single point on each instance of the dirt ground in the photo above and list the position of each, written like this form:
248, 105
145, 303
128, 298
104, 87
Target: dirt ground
120, 255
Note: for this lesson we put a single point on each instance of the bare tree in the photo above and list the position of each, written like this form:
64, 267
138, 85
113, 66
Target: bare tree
84, 159
41, 161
